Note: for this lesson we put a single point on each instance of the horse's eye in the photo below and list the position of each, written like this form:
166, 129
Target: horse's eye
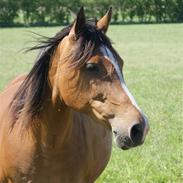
92, 67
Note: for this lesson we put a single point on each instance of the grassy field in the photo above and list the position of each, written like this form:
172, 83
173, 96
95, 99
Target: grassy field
153, 70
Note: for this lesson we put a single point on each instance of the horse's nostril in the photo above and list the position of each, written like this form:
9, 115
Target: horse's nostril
136, 134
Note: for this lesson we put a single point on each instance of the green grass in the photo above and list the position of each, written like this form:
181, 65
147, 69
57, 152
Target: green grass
153, 56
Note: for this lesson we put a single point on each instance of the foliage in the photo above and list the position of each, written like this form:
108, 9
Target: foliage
60, 11
8, 11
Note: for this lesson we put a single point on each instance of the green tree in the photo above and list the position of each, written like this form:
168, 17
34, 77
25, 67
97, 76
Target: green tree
41, 11
179, 11
8, 11
27, 7
61, 10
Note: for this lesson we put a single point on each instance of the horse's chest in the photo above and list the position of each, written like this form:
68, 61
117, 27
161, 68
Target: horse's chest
80, 161
65, 167
73, 163
62, 167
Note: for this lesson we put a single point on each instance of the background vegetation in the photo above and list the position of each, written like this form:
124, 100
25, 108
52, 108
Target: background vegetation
53, 12
153, 68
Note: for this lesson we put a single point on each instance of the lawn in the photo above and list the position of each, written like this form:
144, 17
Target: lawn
153, 56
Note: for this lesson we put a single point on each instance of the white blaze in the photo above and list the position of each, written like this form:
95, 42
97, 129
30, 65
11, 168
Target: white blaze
109, 56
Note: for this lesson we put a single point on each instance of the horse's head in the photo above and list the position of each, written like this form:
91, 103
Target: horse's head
87, 76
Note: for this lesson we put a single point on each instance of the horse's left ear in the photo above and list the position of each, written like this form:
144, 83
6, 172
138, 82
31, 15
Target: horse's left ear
104, 22
78, 24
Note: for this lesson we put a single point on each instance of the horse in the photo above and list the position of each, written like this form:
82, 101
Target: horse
57, 121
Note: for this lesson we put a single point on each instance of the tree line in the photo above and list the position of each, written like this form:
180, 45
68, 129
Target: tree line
32, 12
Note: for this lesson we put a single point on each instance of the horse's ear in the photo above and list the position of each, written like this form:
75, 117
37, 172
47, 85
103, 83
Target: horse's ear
78, 24
104, 22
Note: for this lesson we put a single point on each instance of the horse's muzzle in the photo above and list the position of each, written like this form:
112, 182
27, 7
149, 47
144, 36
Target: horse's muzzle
134, 137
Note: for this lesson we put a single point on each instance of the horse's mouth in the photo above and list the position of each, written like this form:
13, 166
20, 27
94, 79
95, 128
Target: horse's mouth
123, 142
125, 147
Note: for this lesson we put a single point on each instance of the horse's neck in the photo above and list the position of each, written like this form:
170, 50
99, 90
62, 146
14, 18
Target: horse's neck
56, 125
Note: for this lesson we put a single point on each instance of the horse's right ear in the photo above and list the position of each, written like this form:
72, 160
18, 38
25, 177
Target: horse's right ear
78, 24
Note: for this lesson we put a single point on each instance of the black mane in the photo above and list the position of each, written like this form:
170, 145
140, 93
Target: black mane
30, 96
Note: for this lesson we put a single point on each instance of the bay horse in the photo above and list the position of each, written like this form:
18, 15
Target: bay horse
57, 121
